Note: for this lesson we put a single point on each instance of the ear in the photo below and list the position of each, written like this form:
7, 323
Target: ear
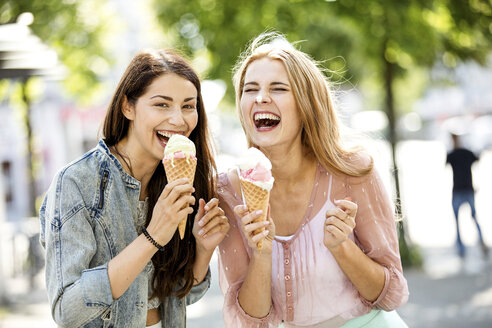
128, 109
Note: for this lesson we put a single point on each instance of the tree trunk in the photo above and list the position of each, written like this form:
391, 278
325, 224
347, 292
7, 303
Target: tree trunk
390, 112
30, 166
410, 256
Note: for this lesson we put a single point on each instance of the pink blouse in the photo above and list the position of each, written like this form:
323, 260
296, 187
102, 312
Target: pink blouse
308, 286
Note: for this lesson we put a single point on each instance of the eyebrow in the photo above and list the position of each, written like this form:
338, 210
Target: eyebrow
170, 98
273, 83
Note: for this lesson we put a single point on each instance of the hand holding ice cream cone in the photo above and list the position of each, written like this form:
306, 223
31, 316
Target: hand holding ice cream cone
180, 162
251, 223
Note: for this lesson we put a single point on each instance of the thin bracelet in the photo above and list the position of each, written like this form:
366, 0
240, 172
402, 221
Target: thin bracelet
149, 237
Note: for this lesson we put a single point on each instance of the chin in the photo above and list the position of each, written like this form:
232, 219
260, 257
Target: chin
263, 143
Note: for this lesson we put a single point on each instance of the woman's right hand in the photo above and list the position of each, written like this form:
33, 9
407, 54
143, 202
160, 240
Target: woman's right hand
249, 227
171, 207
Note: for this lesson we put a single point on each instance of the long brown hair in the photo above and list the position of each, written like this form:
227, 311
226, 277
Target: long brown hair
173, 273
320, 123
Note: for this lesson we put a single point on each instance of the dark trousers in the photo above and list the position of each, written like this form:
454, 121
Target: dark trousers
459, 198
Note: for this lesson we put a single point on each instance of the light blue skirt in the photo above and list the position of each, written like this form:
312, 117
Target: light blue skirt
373, 319
377, 319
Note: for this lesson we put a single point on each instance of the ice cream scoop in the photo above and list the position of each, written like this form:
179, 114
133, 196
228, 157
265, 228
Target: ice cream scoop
179, 146
255, 167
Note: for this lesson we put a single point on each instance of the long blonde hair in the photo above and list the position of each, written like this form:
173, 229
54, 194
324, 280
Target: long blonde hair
320, 123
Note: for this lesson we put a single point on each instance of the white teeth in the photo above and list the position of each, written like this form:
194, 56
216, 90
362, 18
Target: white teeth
166, 134
267, 116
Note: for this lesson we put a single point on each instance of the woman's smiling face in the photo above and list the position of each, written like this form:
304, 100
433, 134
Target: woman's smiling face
268, 106
167, 107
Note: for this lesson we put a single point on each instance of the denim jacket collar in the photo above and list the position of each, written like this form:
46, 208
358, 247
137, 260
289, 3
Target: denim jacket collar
130, 181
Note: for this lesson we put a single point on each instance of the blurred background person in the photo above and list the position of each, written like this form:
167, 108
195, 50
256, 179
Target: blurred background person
461, 161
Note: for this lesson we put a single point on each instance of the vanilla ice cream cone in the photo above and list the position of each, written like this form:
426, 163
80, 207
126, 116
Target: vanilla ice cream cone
180, 162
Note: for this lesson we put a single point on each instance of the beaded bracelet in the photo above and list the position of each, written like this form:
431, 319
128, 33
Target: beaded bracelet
149, 237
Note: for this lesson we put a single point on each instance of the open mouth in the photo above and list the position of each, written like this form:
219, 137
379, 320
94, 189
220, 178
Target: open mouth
266, 120
164, 136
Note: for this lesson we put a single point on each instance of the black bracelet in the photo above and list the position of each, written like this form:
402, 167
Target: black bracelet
146, 233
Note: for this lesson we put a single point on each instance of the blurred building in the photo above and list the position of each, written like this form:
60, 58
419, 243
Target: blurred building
463, 108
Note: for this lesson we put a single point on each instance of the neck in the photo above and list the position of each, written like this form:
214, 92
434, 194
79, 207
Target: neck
290, 165
135, 165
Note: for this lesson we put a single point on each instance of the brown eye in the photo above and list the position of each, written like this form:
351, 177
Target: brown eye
189, 107
163, 105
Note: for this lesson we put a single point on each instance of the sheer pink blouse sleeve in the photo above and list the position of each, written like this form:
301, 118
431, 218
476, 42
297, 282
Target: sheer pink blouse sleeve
375, 233
233, 264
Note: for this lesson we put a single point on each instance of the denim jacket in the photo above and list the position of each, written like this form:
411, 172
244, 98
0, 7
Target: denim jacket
87, 218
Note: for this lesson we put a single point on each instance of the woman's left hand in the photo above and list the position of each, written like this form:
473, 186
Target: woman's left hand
339, 223
210, 226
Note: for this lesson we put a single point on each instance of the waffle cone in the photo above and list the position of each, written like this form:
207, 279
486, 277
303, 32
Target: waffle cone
256, 198
182, 168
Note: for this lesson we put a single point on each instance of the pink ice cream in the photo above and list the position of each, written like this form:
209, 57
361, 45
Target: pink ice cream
179, 154
254, 166
258, 173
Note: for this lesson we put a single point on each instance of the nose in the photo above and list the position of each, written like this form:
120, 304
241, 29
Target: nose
262, 98
176, 118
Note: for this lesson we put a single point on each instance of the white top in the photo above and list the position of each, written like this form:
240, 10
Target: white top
284, 238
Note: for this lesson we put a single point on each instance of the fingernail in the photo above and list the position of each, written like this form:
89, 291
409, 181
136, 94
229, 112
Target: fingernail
337, 201
259, 212
200, 232
206, 208
201, 223
266, 232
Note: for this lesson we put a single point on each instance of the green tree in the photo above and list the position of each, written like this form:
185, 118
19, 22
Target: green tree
402, 35
223, 29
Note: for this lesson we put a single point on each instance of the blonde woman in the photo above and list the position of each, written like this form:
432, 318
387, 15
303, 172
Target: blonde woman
330, 254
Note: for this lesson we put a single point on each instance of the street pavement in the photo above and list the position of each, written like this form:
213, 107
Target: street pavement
450, 292
446, 292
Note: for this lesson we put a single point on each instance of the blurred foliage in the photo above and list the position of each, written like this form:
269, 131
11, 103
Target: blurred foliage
79, 32
356, 38
225, 27
411, 255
